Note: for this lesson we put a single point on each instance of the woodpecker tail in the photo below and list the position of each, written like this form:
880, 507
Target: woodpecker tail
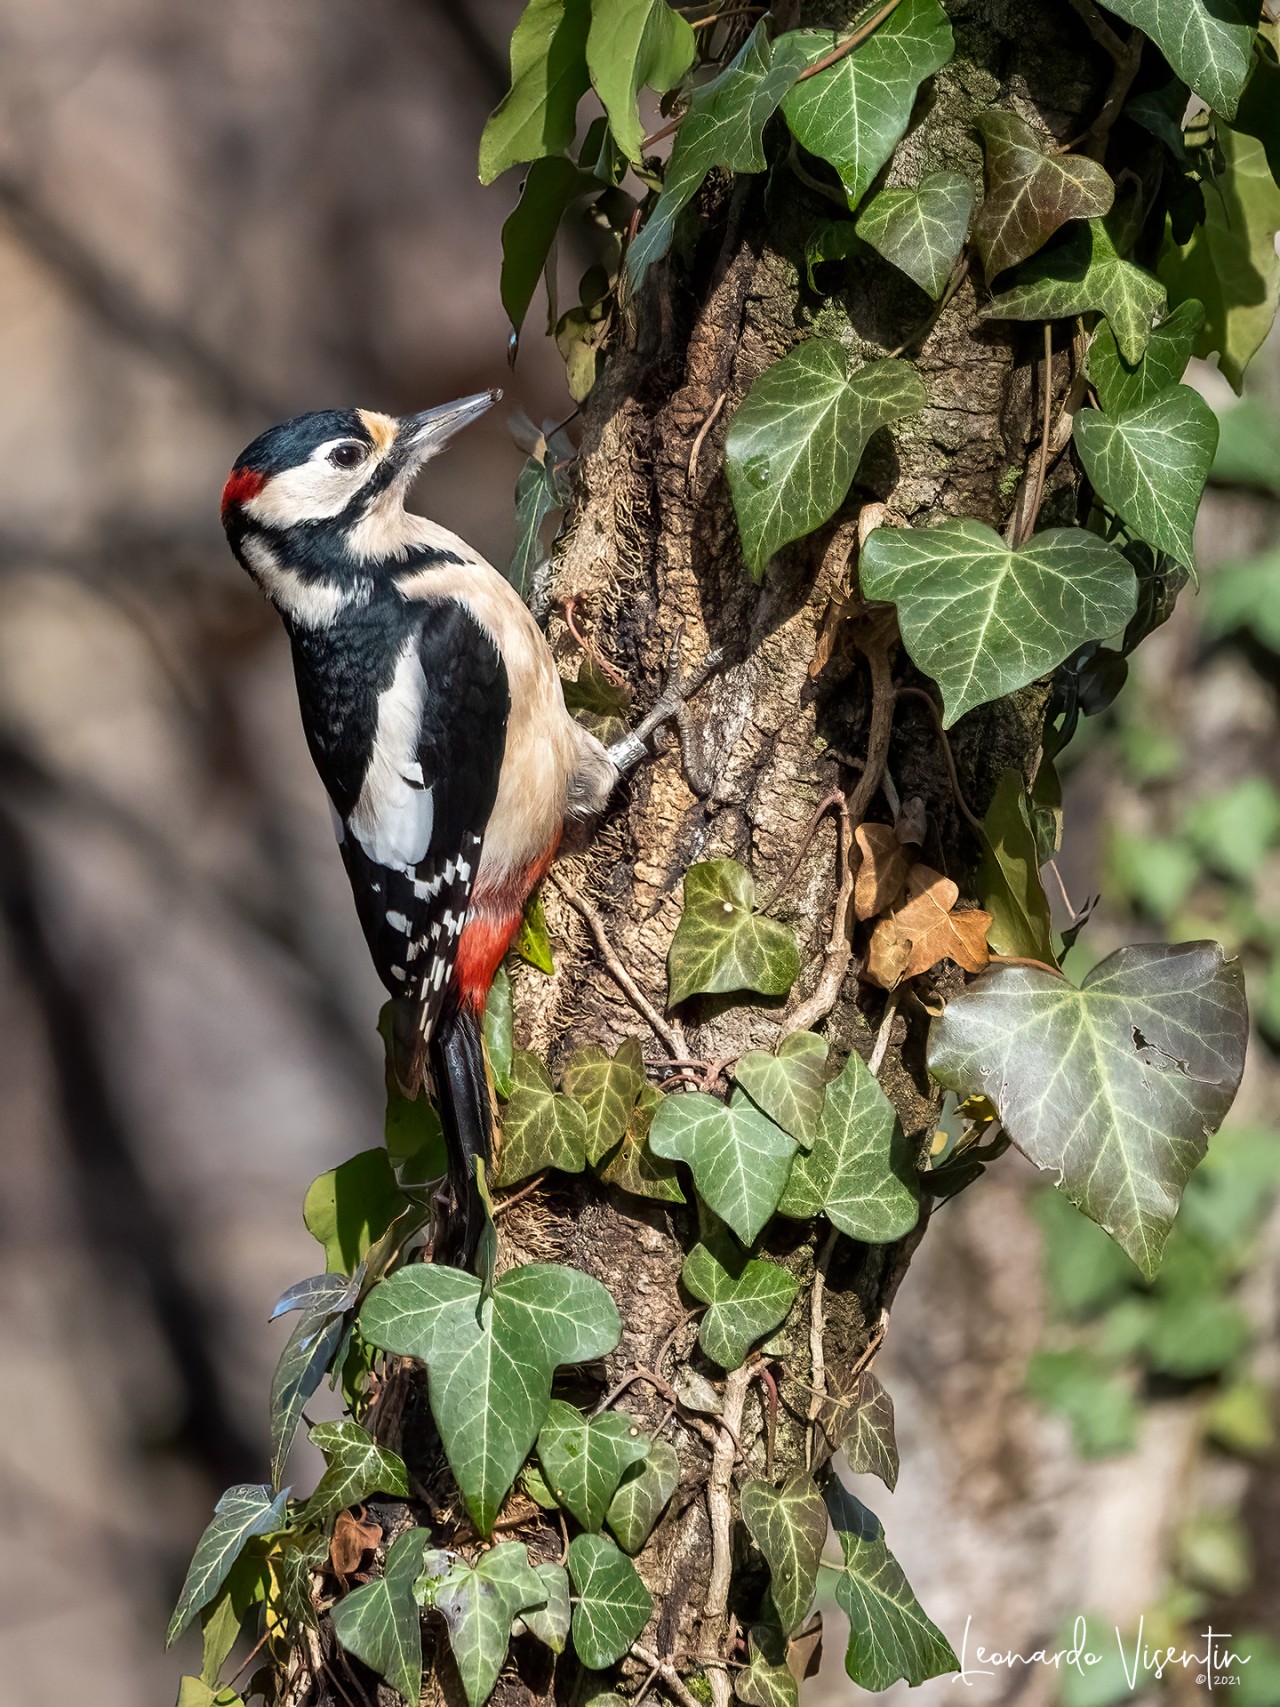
456, 1056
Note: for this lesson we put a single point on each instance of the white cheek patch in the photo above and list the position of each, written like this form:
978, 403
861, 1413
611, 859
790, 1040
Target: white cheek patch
315, 491
394, 816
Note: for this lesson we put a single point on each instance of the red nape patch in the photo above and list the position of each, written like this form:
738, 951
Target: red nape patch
242, 484
484, 942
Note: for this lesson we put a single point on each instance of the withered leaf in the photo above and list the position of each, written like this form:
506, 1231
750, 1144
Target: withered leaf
882, 872
926, 929
353, 1537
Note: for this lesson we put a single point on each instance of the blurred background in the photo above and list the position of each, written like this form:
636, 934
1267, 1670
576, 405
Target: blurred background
212, 217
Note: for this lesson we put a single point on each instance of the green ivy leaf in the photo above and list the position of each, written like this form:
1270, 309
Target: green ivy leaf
634, 45
984, 620
540, 1128
921, 231
584, 1458
739, 1160
1114, 1087
1209, 43
789, 1526
490, 1359
889, 1635
350, 1208
859, 1173
381, 1623
633, 1167
479, 1603
195, 1692
607, 1087
747, 1298
1085, 275
355, 1467
540, 490
1229, 262
643, 1494
1007, 882
1150, 464
550, 1622
305, 1360
537, 115
1031, 193
855, 113
1122, 385
721, 945
767, 1681
723, 127
613, 1604
788, 1087
532, 942
795, 443
599, 703
1258, 114
243, 1512
499, 1027
219, 1630
868, 1441
550, 189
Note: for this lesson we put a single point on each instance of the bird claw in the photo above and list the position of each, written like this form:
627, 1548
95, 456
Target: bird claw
628, 752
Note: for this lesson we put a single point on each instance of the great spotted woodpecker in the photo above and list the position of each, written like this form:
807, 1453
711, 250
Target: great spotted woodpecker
434, 714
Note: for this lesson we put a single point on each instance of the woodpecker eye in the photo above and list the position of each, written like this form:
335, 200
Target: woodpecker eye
348, 455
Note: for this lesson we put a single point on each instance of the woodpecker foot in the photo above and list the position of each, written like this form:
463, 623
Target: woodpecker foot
632, 749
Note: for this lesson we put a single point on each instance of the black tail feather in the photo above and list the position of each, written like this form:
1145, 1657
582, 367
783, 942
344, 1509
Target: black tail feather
456, 1055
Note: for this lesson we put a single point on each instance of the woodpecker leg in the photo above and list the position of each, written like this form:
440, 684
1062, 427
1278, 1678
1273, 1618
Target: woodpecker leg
632, 749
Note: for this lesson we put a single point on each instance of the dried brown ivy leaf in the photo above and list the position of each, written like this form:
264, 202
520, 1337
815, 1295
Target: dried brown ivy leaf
1031, 193
352, 1538
925, 930
882, 873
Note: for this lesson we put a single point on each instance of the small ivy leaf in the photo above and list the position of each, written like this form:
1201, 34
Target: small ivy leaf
490, 1359
244, 1511
607, 1087
889, 1636
882, 870
859, 1173
721, 945
984, 620
776, 1669
830, 240
599, 703
868, 1441
1084, 275
739, 1160
540, 491
1229, 263
350, 1208
925, 929
1031, 193
381, 1623
195, 1692
921, 231
1114, 1087
550, 189
532, 943
789, 1526
746, 1297
305, 1360
634, 45
549, 1623
499, 1026
1122, 385
537, 115
584, 1458
722, 127
540, 1128
788, 1087
854, 114
355, 1467
633, 1166
1007, 881
352, 1538
795, 443
1150, 464
1209, 43
643, 1494
479, 1603
613, 1604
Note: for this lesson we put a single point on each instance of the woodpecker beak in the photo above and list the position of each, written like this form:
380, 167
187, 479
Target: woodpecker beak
423, 436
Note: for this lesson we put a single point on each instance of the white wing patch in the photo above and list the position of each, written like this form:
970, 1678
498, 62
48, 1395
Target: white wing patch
393, 818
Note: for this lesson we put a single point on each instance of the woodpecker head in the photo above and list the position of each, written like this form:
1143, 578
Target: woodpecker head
314, 507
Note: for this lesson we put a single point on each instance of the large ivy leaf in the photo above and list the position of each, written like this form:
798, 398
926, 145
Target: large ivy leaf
739, 1160
1230, 262
1150, 464
1031, 193
1113, 1087
479, 1603
789, 1086
548, 78
721, 944
613, 1604
789, 1526
541, 1128
1085, 274
308, 1352
633, 1167
381, 1623
642, 1495
584, 1458
722, 127
551, 186
859, 1173
1122, 385
244, 1511
490, 1359
747, 1297
921, 231
889, 1635
634, 45
984, 620
868, 1441
1007, 881
607, 1087
355, 1467
796, 441
350, 1208
1209, 43
854, 113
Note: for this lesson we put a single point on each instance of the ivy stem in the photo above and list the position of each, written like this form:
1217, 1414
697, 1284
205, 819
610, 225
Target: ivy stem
720, 1513
975, 823
855, 39
1042, 467
817, 1348
672, 1035
669, 1675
